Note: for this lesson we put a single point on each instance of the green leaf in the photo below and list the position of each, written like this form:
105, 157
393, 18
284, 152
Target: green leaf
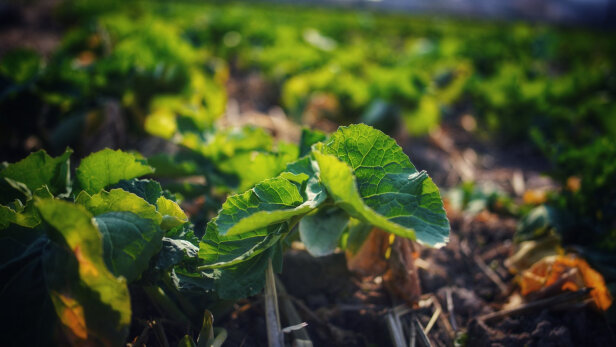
184, 232
129, 242
118, 200
174, 252
244, 279
174, 166
271, 201
75, 225
149, 190
309, 138
26, 216
39, 169
369, 176
173, 215
107, 167
252, 167
252, 222
218, 250
321, 231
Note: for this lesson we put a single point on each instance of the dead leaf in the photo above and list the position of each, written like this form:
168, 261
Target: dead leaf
370, 260
565, 272
534, 197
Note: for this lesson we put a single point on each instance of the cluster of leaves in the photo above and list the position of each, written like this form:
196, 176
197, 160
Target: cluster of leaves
516, 75
72, 248
144, 66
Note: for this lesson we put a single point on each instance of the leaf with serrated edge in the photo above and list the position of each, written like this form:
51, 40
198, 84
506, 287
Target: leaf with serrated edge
149, 190
107, 167
118, 200
369, 176
39, 169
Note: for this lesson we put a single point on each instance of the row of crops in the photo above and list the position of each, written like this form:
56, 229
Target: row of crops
161, 70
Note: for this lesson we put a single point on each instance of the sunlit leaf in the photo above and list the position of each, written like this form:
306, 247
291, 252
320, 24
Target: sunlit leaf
368, 175
107, 167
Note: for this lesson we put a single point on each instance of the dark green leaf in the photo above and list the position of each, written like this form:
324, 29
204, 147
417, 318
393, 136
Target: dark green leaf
149, 190
309, 137
321, 231
129, 242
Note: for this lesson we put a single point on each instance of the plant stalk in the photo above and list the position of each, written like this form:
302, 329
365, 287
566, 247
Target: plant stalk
275, 336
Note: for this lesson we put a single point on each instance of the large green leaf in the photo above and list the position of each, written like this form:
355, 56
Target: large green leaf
107, 310
107, 167
129, 242
369, 176
39, 169
118, 200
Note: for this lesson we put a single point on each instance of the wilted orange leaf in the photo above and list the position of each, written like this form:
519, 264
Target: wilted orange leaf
71, 315
534, 197
568, 272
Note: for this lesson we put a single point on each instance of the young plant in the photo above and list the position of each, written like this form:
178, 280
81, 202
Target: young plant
359, 173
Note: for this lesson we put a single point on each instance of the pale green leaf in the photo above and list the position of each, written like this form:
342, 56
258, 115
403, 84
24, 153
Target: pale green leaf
173, 215
107, 167
118, 200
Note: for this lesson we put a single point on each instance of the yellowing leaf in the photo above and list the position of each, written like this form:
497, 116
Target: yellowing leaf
71, 315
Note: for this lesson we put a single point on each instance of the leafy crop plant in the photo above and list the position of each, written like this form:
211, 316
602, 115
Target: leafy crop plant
84, 259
